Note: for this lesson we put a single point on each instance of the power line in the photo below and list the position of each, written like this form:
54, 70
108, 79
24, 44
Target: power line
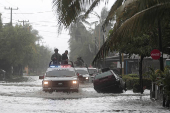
13, 5
10, 8
34, 22
45, 22
44, 25
36, 12
54, 32
23, 21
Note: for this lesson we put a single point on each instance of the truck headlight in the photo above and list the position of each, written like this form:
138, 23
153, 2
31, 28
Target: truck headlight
87, 78
45, 82
74, 82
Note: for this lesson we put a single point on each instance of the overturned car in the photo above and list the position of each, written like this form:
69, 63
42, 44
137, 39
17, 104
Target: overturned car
108, 82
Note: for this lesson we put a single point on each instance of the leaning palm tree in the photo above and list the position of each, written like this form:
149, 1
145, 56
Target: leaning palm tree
134, 18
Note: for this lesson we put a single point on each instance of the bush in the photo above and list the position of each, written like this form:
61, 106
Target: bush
130, 81
136, 88
133, 75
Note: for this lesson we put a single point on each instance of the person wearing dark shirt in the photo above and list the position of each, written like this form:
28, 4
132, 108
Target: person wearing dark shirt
65, 57
56, 57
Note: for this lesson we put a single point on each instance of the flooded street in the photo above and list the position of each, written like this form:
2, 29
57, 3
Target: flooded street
28, 97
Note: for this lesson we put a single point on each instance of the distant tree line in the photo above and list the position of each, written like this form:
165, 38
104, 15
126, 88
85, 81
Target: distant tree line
19, 48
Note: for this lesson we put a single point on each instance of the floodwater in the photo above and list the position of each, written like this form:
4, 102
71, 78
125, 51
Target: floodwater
28, 97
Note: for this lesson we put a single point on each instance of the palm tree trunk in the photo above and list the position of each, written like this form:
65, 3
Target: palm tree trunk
140, 74
160, 46
161, 58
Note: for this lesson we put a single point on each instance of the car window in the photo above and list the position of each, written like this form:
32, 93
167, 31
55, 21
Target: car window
60, 73
101, 75
92, 71
82, 72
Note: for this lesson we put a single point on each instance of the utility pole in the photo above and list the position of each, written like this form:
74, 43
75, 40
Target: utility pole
95, 38
103, 44
161, 58
95, 45
160, 45
10, 8
122, 64
23, 21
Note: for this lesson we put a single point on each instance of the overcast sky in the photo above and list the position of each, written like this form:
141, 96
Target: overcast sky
40, 15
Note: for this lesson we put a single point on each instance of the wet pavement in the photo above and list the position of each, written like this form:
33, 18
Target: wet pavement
28, 97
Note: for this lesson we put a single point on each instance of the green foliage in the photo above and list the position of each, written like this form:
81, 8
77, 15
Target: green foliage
164, 80
130, 81
161, 78
133, 79
18, 50
152, 74
133, 75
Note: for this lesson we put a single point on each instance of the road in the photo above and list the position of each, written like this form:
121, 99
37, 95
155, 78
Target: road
28, 97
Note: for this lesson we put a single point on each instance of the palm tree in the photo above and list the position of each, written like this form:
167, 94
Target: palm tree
135, 18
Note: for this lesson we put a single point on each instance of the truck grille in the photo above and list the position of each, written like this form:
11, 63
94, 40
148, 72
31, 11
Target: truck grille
61, 83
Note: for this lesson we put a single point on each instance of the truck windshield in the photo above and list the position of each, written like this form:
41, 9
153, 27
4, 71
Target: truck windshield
82, 72
92, 71
60, 73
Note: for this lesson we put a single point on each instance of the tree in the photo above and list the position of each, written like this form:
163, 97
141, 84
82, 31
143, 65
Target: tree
18, 49
82, 42
133, 22
141, 20
79, 43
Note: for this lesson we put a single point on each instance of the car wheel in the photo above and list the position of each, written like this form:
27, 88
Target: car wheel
75, 90
98, 91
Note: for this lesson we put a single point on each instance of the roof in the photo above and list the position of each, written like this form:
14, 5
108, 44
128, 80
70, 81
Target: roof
84, 68
60, 68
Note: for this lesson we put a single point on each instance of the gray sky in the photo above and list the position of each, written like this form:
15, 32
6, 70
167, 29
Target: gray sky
40, 16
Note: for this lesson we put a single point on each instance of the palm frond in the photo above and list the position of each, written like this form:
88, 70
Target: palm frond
136, 25
92, 7
122, 6
68, 10
112, 11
